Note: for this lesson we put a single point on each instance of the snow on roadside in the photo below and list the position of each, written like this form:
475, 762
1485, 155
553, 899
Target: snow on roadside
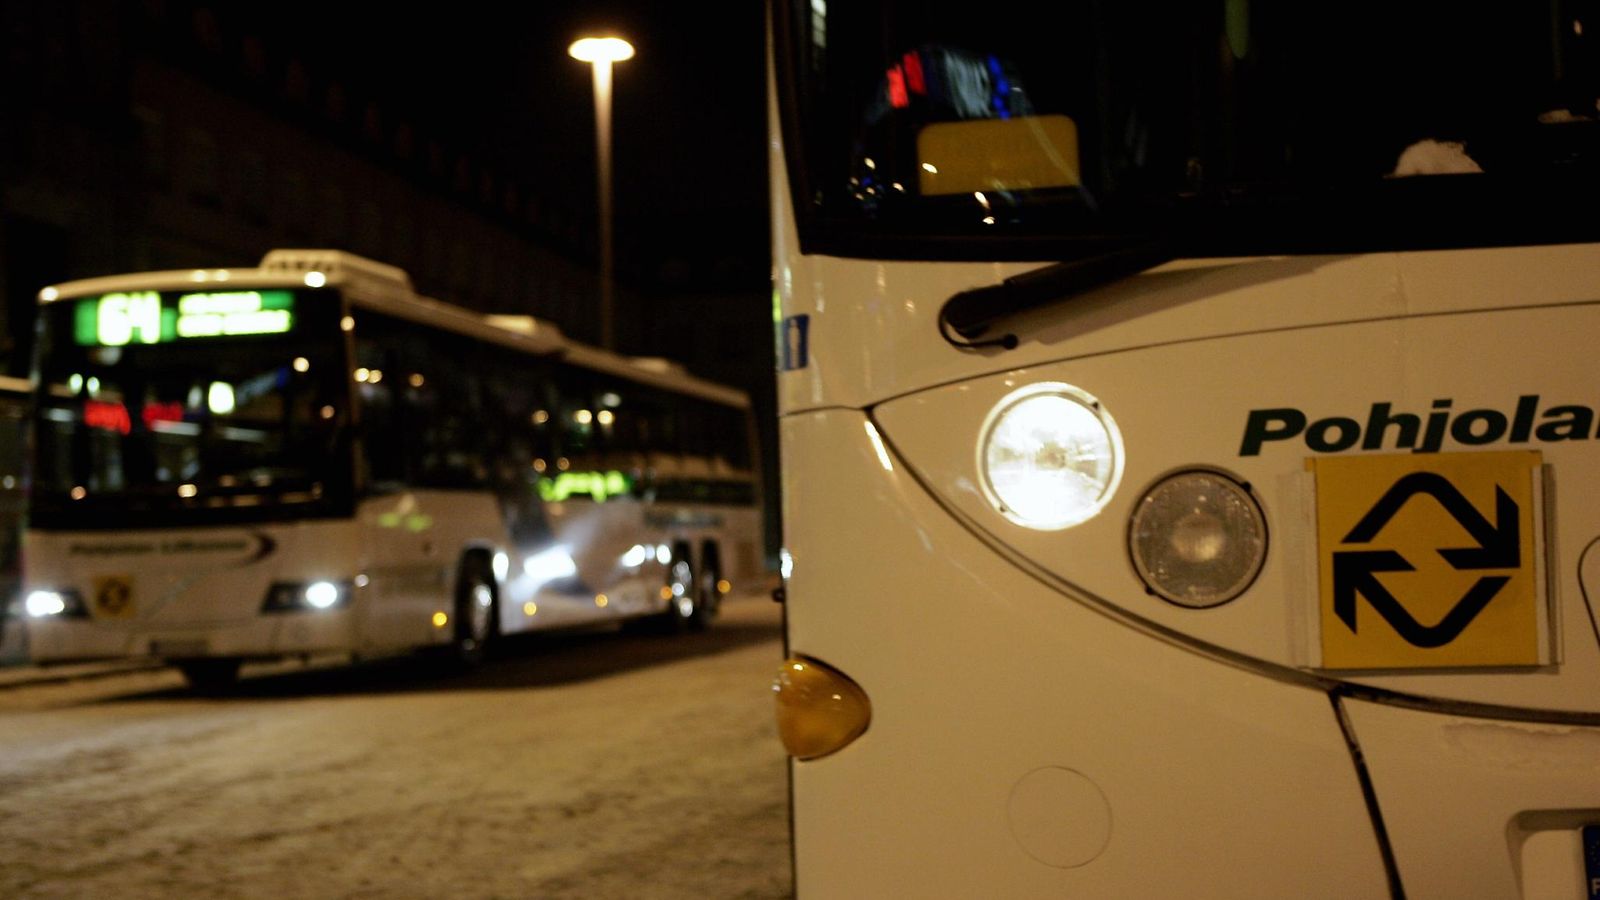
660, 781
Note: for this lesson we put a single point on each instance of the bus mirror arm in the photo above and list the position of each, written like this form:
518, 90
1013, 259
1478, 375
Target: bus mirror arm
968, 314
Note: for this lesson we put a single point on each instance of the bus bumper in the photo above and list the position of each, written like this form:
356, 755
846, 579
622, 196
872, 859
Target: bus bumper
265, 637
1481, 807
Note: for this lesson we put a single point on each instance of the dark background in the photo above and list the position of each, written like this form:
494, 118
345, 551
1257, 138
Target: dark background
453, 140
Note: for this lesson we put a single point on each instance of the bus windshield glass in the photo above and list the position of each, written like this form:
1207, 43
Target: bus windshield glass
1027, 131
173, 408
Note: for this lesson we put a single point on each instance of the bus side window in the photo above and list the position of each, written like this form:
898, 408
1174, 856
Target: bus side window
452, 444
626, 430
574, 414
515, 438
660, 437
695, 427
381, 380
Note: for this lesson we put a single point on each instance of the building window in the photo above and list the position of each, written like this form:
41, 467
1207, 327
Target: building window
332, 217
152, 146
369, 228
202, 167
295, 205
255, 200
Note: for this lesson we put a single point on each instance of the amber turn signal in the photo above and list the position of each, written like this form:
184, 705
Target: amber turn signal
819, 710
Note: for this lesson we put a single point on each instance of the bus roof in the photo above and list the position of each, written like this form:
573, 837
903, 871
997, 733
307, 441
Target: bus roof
384, 288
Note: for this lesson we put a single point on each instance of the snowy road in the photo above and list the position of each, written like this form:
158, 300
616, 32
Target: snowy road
594, 766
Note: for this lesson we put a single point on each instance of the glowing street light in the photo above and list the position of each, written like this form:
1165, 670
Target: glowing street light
600, 53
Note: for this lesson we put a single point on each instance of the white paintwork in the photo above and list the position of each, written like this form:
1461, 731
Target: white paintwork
1218, 783
408, 546
1480, 359
874, 333
195, 585
1462, 797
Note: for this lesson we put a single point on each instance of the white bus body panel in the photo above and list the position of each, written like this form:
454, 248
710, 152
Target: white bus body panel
199, 592
599, 535
987, 684
412, 545
1482, 808
873, 326
194, 592
1480, 360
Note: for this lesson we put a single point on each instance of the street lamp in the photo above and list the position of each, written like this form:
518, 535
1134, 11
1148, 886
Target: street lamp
600, 53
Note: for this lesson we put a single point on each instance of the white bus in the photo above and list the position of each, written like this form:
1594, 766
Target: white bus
307, 457
14, 394
1189, 444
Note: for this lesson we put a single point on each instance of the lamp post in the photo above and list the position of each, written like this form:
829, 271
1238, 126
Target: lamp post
600, 53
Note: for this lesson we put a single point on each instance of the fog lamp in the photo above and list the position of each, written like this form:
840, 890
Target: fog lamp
1197, 538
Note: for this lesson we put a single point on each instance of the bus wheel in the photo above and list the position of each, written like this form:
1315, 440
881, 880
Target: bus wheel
707, 599
209, 676
475, 612
682, 605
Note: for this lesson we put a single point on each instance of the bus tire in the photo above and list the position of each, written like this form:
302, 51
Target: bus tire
211, 675
708, 599
682, 605
476, 611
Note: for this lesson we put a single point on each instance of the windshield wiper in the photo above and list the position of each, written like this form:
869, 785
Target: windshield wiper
967, 315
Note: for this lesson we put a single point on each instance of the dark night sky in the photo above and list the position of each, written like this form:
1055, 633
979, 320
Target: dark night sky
688, 115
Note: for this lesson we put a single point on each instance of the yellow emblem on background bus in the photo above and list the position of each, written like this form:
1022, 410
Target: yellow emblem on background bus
113, 597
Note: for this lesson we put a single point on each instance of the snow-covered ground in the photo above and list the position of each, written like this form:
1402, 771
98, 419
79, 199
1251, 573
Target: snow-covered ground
590, 766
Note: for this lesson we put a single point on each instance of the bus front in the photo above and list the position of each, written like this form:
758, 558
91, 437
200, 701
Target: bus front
191, 471
1188, 430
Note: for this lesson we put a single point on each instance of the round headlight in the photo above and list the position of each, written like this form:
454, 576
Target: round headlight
1197, 538
1050, 456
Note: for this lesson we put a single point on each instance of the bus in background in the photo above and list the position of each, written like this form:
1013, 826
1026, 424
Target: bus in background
13, 409
307, 457
1188, 430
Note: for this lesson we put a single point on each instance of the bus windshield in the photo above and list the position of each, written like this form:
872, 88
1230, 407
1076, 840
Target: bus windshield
938, 130
166, 408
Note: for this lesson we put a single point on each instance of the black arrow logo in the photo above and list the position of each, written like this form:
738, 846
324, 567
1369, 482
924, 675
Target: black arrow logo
1499, 545
1355, 571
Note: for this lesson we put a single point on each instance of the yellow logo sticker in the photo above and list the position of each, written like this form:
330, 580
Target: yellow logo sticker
113, 597
1428, 560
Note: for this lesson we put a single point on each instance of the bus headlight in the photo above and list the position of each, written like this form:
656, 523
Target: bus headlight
314, 595
1050, 456
47, 604
1197, 538
550, 565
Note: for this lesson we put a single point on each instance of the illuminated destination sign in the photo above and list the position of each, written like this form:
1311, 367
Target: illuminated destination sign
150, 317
594, 485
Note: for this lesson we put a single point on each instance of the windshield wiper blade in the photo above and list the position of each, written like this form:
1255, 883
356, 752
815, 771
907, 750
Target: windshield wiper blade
968, 314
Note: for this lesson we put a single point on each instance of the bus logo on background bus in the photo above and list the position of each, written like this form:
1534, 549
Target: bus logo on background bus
113, 597
1428, 561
